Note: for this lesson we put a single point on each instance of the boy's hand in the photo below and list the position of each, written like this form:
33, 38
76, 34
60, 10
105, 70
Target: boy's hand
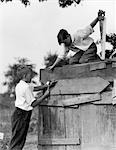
51, 68
101, 15
53, 83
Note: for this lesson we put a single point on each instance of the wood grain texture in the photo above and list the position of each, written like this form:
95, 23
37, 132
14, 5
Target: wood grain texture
80, 86
98, 125
103, 69
84, 98
106, 98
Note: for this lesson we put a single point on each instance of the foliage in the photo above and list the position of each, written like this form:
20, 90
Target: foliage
50, 59
11, 73
111, 38
62, 3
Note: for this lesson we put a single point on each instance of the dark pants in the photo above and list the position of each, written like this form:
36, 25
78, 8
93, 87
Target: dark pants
89, 55
20, 124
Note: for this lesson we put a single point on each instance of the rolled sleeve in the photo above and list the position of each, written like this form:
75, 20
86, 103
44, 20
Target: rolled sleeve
86, 32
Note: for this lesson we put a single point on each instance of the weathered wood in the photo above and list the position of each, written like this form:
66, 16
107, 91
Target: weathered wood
93, 123
97, 65
103, 36
98, 125
114, 65
76, 100
106, 98
79, 86
71, 130
97, 98
60, 141
85, 98
80, 71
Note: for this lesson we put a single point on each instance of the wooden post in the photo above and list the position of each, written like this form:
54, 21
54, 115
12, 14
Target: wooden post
103, 37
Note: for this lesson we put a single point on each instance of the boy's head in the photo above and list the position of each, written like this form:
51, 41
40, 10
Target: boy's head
24, 73
64, 37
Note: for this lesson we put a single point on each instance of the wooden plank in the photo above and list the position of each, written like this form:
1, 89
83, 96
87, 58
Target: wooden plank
114, 65
72, 121
103, 37
79, 71
80, 86
60, 141
71, 102
69, 126
76, 127
57, 126
98, 125
97, 65
84, 98
106, 98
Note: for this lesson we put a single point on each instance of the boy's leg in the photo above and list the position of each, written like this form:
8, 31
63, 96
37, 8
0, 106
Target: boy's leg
90, 55
75, 59
20, 124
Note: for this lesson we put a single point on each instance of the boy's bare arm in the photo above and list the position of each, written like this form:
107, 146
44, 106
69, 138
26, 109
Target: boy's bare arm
100, 16
39, 100
45, 86
39, 88
55, 63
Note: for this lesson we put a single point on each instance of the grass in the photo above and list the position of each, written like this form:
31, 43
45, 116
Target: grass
6, 110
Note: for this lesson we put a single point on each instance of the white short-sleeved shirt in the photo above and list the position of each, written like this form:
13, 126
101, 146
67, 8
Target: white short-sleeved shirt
80, 40
24, 95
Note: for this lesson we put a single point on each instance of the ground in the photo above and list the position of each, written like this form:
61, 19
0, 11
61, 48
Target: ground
31, 143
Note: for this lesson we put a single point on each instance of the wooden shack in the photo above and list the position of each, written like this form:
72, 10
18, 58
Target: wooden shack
79, 114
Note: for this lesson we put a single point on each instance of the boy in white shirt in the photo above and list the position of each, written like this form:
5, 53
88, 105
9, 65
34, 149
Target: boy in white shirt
80, 42
24, 104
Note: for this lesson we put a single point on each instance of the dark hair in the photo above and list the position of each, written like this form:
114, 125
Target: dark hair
62, 35
23, 70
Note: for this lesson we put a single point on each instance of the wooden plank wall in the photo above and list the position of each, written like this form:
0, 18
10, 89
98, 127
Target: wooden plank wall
84, 126
98, 126
58, 125
94, 125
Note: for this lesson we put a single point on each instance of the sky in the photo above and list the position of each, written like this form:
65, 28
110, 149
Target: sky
31, 32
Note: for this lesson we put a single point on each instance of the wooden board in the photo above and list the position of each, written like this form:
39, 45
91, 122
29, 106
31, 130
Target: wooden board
97, 66
89, 126
103, 37
98, 126
56, 130
103, 69
97, 99
106, 98
79, 86
84, 98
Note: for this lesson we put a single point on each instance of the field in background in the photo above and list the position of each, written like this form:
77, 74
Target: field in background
6, 110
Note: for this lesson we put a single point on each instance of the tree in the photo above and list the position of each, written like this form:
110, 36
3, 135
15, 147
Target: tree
111, 38
62, 3
50, 59
11, 73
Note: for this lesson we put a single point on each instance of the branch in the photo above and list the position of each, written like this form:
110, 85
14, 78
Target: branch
78, 1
